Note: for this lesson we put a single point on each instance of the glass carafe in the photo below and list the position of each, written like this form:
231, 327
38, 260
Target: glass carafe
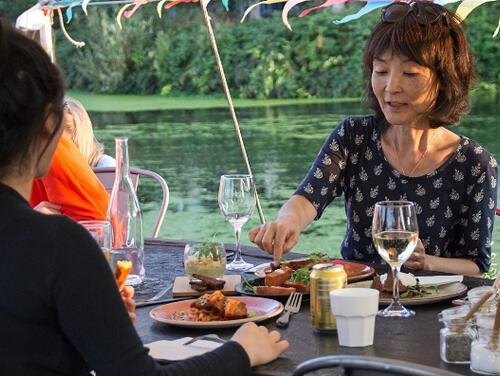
124, 214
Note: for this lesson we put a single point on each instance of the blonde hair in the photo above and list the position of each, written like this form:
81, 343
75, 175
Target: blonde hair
78, 126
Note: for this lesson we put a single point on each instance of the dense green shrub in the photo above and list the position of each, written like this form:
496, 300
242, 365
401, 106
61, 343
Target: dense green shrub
114, 60
261, 57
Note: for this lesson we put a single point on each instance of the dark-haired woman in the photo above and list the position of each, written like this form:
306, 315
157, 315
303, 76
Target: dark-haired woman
60, 310
420, 70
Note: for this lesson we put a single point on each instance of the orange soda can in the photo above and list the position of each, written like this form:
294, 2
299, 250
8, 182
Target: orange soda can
325, 278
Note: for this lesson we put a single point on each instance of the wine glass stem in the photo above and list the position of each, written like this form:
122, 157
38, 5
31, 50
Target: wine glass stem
395, 287
237, 234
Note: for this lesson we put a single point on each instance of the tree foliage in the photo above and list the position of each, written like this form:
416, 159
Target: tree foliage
261, 57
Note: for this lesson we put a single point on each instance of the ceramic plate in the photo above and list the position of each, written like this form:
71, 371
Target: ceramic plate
444, 292
355, 270
262, 309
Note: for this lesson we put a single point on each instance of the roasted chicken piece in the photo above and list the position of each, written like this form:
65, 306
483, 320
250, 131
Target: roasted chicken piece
298, 286
215, 306
389, 282
211, 302
387, 286
206, 283
235, 309
305, 262
274, 290
278, 277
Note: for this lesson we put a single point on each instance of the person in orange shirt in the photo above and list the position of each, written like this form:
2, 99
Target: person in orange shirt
78, 126
70, 187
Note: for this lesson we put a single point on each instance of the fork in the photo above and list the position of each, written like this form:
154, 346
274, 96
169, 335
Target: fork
207, 337
157, 296
292, 306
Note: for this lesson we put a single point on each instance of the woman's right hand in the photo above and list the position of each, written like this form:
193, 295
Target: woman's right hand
277, 237
127, 293
260, 345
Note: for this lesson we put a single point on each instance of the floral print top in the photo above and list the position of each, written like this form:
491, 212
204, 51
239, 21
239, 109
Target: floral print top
455, 203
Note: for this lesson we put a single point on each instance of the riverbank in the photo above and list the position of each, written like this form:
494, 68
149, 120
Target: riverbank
132, 103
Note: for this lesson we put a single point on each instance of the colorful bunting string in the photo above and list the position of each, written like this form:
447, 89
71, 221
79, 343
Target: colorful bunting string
130, 7
463, 10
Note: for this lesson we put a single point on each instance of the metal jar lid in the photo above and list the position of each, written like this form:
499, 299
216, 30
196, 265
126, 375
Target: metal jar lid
328, 270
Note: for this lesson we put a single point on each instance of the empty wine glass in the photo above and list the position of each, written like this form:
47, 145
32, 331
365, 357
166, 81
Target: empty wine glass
395, 235
237, 202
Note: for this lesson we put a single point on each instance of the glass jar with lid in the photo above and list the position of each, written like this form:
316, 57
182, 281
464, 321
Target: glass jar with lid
485, 349
456, 336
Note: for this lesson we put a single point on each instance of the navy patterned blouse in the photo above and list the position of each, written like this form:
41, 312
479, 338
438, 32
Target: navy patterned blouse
455, 203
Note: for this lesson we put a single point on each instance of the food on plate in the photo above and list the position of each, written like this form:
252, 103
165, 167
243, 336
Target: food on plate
278, 277
307, 262
304, 262
387, 284
281, 282
123, 268
204, 283
208, 259
291, 276
409, 286
298, 286
273, 290
217, 307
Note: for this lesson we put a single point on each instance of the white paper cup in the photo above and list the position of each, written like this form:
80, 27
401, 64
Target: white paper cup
355, 310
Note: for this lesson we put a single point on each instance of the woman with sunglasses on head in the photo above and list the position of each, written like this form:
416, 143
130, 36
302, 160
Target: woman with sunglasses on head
420, 71
60, 310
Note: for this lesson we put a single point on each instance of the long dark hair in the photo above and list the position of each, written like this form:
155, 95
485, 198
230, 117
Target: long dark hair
29, 85
440, 46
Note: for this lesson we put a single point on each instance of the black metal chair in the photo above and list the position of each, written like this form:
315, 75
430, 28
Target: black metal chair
107, 177
350, 365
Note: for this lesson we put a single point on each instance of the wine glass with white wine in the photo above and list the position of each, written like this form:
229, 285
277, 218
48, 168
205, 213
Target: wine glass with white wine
395, 235
237, 203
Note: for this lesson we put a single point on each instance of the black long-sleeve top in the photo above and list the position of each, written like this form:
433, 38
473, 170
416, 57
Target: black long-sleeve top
60, 310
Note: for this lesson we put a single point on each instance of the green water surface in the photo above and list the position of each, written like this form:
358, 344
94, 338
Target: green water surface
192, 148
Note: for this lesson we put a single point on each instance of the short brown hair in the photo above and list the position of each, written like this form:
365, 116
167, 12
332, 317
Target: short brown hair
440, 46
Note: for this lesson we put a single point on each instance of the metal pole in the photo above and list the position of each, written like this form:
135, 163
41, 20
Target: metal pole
220, 67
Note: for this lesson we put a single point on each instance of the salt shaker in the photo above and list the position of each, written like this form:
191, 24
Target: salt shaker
485, 350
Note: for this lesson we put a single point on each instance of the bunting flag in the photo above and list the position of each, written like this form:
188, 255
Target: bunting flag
250, 8
464, 8
497, 29
369, 7
128, 9
135, 4
468, 6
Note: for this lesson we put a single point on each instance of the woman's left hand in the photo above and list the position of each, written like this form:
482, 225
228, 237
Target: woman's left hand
418, 258
127, 293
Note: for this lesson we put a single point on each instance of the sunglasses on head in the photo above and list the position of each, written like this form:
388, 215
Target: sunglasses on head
426, 13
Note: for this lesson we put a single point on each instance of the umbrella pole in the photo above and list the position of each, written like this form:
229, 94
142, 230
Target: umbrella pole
213, 42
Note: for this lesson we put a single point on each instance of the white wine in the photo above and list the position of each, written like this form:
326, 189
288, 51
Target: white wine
395, 246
